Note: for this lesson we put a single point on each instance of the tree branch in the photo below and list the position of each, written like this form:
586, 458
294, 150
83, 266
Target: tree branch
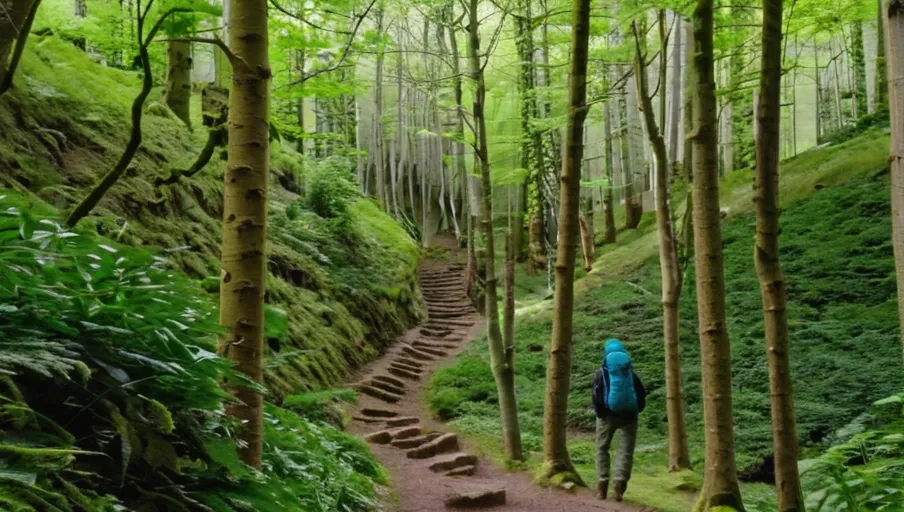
294, 16
234, 59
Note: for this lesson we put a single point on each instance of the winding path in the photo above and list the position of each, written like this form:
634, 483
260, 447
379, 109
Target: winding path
432, 470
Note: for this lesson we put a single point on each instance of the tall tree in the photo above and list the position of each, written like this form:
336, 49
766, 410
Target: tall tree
766, 257
243, 266
720, 482
557, 463
858, 61
16, 17
894, 40
668, 265
609, 194
882, 85
503, 372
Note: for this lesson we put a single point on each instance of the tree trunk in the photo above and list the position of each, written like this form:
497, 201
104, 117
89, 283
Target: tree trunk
766, 258
15, 25
720, 484
557, 463
503, 372
177, 90
675, 111
836, 82
508, 301
380, 165
858, 60
819, 127
895, 52
668, 265
244, 261
586, 228
882, 85
608, 199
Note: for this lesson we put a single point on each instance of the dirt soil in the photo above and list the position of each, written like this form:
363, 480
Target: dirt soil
428, 466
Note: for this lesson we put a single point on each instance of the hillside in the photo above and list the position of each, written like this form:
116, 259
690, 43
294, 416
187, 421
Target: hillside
345, 285
838, 263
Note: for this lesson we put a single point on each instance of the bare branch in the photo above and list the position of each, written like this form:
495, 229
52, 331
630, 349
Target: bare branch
234, 59
302, 19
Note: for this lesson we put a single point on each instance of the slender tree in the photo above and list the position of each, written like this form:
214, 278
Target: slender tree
243, 267
557, 463
609, 194
881, 49
894, 40
720, 482
503, 372
766, 257
16, 17
668, 265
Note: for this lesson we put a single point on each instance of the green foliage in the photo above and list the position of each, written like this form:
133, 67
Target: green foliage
324, 406
110, 390
330, 188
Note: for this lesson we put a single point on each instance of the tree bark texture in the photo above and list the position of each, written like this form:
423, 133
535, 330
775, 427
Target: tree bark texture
882, 84
503, 373
244, 261
675, 107
720, 484
557, 462
15, 25
586, 227
766, 258
177, 90
679, 457
608, 199
894, 27
858, 59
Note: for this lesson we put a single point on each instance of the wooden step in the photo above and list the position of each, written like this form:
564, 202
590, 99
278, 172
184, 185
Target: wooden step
476, 499
405, 374
378, 413
386, 396
389, 380
414, 442
417, 354
402, 421
406, 432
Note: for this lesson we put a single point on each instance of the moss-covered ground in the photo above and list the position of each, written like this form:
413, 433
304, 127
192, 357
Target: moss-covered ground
344, 291
838, 262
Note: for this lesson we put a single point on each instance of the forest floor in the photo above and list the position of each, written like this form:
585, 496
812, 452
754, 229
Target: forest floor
427, 466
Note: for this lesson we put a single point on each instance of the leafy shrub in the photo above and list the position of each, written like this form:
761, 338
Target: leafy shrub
110, 390
330, 188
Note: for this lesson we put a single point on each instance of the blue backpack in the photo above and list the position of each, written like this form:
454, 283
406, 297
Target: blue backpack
613, 385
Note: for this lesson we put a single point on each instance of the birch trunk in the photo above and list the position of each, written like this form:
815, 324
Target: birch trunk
177, 89
244, 261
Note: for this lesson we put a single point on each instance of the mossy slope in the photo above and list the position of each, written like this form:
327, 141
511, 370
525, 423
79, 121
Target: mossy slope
65, 124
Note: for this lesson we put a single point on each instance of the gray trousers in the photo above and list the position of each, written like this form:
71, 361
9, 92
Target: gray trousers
624, 456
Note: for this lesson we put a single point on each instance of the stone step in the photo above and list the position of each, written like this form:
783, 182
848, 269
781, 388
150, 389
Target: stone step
389, 380
402, 421
450, 323
417, 354
378, 413
406, 432
414, 442
453, 461
436, 333
415, 366
383, 386
386, 396
381, 437
405, 374
450, 314
433, 344
443, 444
462, 471
429, 350
365, 419
476, 499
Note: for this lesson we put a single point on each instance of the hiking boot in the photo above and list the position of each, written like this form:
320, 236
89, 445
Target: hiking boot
602, 489
618, 492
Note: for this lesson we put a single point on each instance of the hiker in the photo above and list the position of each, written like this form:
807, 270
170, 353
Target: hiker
618, 398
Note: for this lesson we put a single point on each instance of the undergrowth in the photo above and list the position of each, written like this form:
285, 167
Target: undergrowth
111, 397
342, 271
838, 263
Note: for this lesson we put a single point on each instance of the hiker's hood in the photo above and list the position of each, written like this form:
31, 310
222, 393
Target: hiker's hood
613, 346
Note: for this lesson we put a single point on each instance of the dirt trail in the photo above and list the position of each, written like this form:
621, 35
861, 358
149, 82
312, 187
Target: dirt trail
429, 467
